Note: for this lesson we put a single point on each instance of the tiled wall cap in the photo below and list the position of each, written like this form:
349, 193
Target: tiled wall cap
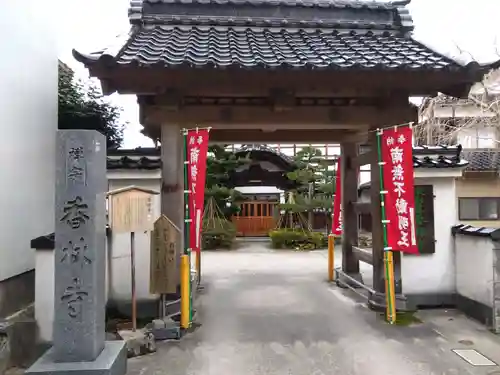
469, 230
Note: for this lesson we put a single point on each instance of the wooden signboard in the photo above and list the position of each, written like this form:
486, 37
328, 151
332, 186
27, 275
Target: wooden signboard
131, 209
164, 249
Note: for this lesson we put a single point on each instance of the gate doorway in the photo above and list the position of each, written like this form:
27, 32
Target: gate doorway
255, 219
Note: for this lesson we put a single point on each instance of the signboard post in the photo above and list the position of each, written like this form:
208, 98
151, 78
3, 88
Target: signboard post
164, 250
131, 211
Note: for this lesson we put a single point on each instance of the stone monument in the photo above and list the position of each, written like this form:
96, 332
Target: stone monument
79, 282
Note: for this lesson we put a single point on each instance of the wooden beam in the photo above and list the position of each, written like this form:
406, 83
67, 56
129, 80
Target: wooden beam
350, 263
362, 207
279, 136
377, 230
363, 159
282, 99
234, 82
358, 137
172, 191
363, 255
171, 100
306, 117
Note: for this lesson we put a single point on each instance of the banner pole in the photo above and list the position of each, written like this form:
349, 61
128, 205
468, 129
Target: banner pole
331, 256
198, 128
187, 222
388, 256
198, 222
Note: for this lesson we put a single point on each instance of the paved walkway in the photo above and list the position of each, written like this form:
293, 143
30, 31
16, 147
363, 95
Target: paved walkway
271, 313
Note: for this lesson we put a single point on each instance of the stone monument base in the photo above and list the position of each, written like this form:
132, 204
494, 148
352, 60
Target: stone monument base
111, 361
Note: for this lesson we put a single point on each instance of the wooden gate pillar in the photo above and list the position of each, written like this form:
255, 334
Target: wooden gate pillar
172, 181
377, 301
349, 180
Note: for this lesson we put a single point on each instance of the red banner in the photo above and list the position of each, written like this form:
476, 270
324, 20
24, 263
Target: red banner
337, 212
197, 148
397, 157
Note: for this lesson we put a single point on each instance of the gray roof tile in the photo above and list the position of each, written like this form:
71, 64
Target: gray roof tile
143, 158
247, 47
482, 159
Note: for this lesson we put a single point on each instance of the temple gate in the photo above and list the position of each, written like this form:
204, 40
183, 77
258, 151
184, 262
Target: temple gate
276, 72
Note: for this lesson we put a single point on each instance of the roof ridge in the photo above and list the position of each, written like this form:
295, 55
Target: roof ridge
356, 4
278, 22
389, 14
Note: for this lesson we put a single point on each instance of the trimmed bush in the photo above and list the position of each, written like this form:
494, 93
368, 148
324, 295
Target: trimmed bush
220, 236
297, 239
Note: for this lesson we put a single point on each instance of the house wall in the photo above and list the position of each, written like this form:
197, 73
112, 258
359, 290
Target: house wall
477, 269
474, 268
478, 137
474, 188
429, 279
28, 114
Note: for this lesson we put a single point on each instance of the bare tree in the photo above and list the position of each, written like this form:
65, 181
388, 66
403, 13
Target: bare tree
442, 118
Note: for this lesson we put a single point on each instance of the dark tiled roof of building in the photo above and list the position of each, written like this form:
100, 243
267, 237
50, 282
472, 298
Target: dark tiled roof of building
482, 159
266, 150
139, 158
149, 158
438, 157
469, 230
314, 34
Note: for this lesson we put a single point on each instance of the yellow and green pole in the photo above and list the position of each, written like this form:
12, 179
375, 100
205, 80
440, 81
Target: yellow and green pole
388, 256
185, 299
331, 257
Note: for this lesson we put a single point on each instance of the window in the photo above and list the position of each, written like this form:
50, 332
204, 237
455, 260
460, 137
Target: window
479, 208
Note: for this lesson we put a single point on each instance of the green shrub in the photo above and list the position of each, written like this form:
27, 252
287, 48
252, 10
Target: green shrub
297, 239
219, 236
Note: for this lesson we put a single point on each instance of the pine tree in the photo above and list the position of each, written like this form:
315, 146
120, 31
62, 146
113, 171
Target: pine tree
220, 164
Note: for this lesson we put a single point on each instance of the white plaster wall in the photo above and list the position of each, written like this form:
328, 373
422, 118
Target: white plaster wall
474, 268
28, 116
44, 293
435, 273
119, 279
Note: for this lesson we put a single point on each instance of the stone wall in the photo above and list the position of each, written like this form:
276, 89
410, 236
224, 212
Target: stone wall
16, 293
477, 264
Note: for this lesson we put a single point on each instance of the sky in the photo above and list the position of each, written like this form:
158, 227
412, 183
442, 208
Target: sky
448, 26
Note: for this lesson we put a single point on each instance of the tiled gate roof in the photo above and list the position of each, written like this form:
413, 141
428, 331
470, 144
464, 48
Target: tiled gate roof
311, 34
